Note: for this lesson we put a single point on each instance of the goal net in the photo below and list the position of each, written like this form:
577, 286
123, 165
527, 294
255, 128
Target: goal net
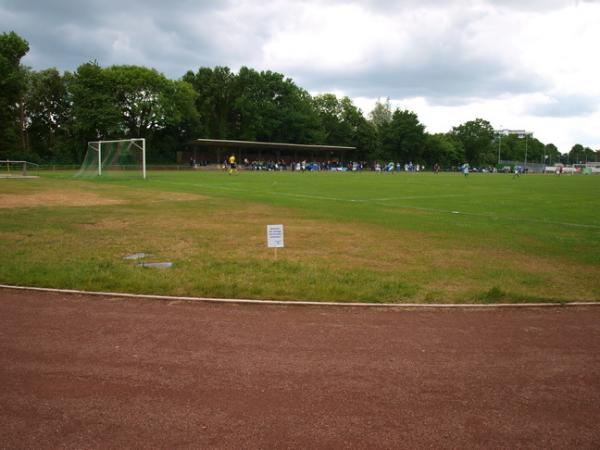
122, 157
18, 169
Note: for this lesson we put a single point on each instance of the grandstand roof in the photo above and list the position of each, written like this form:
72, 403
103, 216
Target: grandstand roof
269, 145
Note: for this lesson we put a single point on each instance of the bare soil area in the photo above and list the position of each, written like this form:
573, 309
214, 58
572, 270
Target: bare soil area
65, 197
100, 372
55, 198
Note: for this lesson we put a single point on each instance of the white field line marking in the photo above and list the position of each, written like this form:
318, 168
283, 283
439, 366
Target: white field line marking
367, 200
375, 201
299, 303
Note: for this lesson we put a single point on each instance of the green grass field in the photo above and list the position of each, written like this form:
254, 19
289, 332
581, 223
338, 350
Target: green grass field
365, 237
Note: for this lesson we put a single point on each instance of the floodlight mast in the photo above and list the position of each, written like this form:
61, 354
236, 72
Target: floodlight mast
499, 143
520, 133
525, 164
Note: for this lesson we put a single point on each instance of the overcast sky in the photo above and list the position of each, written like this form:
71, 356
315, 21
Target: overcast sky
521, 64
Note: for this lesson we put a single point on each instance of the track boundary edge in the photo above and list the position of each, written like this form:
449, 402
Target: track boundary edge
299, 303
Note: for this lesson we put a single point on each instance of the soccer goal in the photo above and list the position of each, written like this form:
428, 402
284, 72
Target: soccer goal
17, 169
116, 157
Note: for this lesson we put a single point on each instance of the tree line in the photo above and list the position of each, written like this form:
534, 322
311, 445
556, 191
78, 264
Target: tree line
48, 117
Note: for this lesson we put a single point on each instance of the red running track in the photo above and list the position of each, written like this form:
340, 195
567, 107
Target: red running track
92, 372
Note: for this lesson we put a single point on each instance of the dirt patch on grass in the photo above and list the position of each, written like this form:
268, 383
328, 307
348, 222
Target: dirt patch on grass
72, 197
176, 197
56, 198
239, 233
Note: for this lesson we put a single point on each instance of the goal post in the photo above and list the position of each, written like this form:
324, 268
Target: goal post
17, 169
114, 156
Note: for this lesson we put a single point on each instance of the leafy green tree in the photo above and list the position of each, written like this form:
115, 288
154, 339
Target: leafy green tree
215, 100
270, 107
581, 155
254, 103
589, 154
344, 124
535, 150
301, 122
96, 113
577, 154
403, 139
51, 115
132, 101
363, 133
333, 115
13, 82
551, 154
477, 138
382, 113
181, 125
513, 148
48, 112
443, 149
180, 97
516, 147
147, 100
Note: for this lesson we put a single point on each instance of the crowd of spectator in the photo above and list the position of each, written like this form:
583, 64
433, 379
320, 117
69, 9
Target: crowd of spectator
305, 166
351, 166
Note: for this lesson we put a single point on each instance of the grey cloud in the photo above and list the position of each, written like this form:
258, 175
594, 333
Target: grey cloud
67, 33
533, 5
442, 83
89, 9
522, 5
446, 70
566, 106
48, 14
186, 34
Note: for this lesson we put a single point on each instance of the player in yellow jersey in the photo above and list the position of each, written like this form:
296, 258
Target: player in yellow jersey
232, 164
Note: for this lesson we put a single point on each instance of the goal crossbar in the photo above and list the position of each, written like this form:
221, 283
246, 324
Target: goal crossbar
24, 166
133, 141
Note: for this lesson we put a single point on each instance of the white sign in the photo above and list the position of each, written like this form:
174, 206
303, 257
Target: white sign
275, 236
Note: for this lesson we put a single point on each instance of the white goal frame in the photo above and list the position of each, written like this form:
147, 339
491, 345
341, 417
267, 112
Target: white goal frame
133, 141
22, 167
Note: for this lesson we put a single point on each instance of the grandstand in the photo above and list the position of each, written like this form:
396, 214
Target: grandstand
216, 150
